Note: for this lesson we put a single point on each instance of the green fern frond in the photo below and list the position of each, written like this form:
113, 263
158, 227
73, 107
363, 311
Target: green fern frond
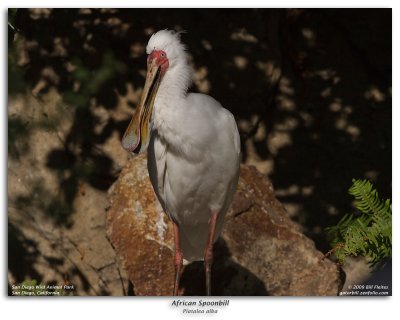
367, 198
369, 234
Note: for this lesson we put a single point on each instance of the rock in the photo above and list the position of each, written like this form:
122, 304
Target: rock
261, 251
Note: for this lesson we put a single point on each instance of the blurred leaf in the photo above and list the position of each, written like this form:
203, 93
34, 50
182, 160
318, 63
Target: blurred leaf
91, 81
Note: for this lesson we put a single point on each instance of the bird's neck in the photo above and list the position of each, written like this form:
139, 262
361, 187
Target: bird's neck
175, 83
170, 105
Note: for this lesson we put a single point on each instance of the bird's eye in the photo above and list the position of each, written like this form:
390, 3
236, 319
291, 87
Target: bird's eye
162, 54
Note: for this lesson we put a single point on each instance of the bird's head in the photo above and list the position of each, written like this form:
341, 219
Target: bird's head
165, 52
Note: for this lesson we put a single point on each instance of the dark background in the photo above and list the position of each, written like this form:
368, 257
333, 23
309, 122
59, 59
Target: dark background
310, 89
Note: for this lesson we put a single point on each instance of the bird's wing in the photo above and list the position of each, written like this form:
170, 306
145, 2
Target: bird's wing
156, 165
234, 130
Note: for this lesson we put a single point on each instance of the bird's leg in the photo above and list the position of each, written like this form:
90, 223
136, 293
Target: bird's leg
208, 253
178, 259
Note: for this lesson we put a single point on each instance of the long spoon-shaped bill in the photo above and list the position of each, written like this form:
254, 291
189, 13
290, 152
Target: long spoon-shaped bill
137, 135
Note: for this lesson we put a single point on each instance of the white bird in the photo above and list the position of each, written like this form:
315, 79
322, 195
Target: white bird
193, 151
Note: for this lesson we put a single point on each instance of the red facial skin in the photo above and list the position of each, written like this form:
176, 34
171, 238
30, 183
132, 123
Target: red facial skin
161, 60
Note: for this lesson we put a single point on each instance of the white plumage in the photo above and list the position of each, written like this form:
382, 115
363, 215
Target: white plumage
193, 149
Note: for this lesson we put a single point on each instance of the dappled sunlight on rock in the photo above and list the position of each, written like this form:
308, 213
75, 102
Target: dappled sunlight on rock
60, 47
41, 13
85, 11
309, 35
206, 45
327, 92
201, 80
137, 50
290, 123
284, 98
243, 35
261, 133
272, 70
353, 131
279, 140
291, 190
343, 121
372, 175
240, 62
307, 190
285, 86
325, 74
332, 210
336, 105
375, 94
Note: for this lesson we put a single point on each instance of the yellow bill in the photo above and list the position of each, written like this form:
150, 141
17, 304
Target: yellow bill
137, 135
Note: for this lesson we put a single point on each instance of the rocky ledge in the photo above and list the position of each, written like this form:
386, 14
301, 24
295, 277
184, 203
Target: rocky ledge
261, 251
